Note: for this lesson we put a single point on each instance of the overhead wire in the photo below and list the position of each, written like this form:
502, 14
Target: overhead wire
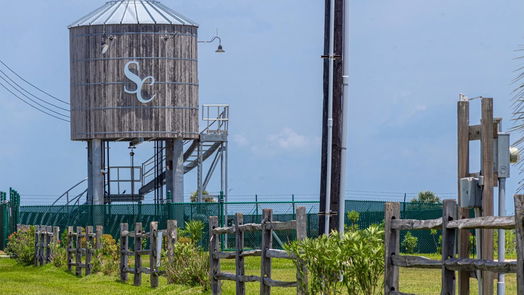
34, 86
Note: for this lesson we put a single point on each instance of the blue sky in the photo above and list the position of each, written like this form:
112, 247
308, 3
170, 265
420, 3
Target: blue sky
409, 61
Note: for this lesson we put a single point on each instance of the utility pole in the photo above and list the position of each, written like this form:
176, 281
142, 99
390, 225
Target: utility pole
335, 80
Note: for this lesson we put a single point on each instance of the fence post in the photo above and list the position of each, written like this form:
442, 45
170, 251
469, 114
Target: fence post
99, 233
391, 247
214, 262
37, 244
49, 237
78, 256
239, 259
301, 235
519, 233
89, 248
153, 236
42, 240
267, 242
449, 212
56, 234
171, 239
69, 248
124, 248
138, 258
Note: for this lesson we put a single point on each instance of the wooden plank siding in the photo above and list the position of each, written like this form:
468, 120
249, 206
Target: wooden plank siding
101, 109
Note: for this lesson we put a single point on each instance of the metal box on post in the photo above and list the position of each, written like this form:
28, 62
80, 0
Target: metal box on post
471, 193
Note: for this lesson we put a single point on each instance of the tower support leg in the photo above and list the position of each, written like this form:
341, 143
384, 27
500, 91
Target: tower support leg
175, 170
95, 190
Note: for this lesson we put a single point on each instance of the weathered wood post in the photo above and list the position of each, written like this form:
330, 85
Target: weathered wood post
267, 242
78, 252
153, 257
138, 257
48, 241
171, 239
301, 235
37, 245
449, 213
69, 248
519, 233
239, 259
56, 234
89, 248
124, 248
42, 241
99, 234
214, 261
391, 247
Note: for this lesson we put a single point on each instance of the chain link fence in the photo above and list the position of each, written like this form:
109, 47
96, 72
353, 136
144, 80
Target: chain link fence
371, 212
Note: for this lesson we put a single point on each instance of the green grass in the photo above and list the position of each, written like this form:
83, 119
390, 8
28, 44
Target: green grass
22, 280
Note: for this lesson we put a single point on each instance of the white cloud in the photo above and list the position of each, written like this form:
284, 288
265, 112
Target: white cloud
286, 140
240, 140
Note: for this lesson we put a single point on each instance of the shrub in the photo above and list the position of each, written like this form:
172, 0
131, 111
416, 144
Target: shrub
409, 243
59, 257
357, 258
21, 245
193, 230
190, 266
106, 259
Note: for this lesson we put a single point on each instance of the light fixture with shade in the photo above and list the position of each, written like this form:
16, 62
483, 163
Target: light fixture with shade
220, 49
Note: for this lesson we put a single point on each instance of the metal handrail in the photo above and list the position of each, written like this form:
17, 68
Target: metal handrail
66, 194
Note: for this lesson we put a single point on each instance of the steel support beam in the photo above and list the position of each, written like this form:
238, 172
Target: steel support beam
175, 170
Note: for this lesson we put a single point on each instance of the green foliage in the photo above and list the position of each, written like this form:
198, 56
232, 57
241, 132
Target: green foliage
353, 217
194, 230
21, 245
409, 243
205, 196
510, 242
190, 266
357, 258
106, 259
59, 257
427, 197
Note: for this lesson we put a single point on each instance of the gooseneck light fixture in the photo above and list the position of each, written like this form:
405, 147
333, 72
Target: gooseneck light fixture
220, 49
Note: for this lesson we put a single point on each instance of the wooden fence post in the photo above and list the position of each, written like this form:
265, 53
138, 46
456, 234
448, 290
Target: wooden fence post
99, 233
214, 262
56, 234
78, 256
239, 259
42, 240
171, 239
138, 256
49, 237
267, 242
391, 247
519, 233
449, 213
301, 235
69, 248
89, 248
37, 245
153, 257
124, 248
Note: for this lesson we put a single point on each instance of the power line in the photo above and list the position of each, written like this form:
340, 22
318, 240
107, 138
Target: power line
34, 86
47, 108
40, 99
29, 104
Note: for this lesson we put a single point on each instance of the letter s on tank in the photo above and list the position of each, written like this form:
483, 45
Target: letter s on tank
139, 83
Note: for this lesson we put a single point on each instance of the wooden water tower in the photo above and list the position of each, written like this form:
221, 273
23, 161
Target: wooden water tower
134, 78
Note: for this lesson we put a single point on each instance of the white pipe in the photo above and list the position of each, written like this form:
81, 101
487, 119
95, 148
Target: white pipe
345, 120
330, 115
501, 288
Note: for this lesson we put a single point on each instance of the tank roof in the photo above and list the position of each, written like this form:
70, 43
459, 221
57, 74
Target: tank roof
133, 12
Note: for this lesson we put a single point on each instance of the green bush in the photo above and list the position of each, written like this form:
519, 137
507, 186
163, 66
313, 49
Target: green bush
59, 257
357, 258
190, 266
106, 259
409, 243
194, 230
21, 245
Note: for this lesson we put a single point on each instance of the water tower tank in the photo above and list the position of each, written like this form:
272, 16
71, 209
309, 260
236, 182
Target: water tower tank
134, 73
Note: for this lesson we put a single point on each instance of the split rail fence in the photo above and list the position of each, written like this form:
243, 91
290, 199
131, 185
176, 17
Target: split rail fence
83, 243
450, 225
266, 252
45, 236
154, 252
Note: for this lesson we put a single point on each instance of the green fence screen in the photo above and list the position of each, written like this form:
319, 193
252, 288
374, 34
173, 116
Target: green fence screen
371, 212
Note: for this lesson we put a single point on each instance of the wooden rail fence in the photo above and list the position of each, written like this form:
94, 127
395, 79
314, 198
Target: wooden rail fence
155, 242
266, 253
45, 236
82, 243
450, 225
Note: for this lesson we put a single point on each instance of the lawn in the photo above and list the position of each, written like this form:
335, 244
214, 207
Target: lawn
17, 279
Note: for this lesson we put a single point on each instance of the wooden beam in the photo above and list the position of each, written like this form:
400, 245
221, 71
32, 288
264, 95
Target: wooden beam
487, 222
519, 233
486, 144
416, 262
414, 224
391, 247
